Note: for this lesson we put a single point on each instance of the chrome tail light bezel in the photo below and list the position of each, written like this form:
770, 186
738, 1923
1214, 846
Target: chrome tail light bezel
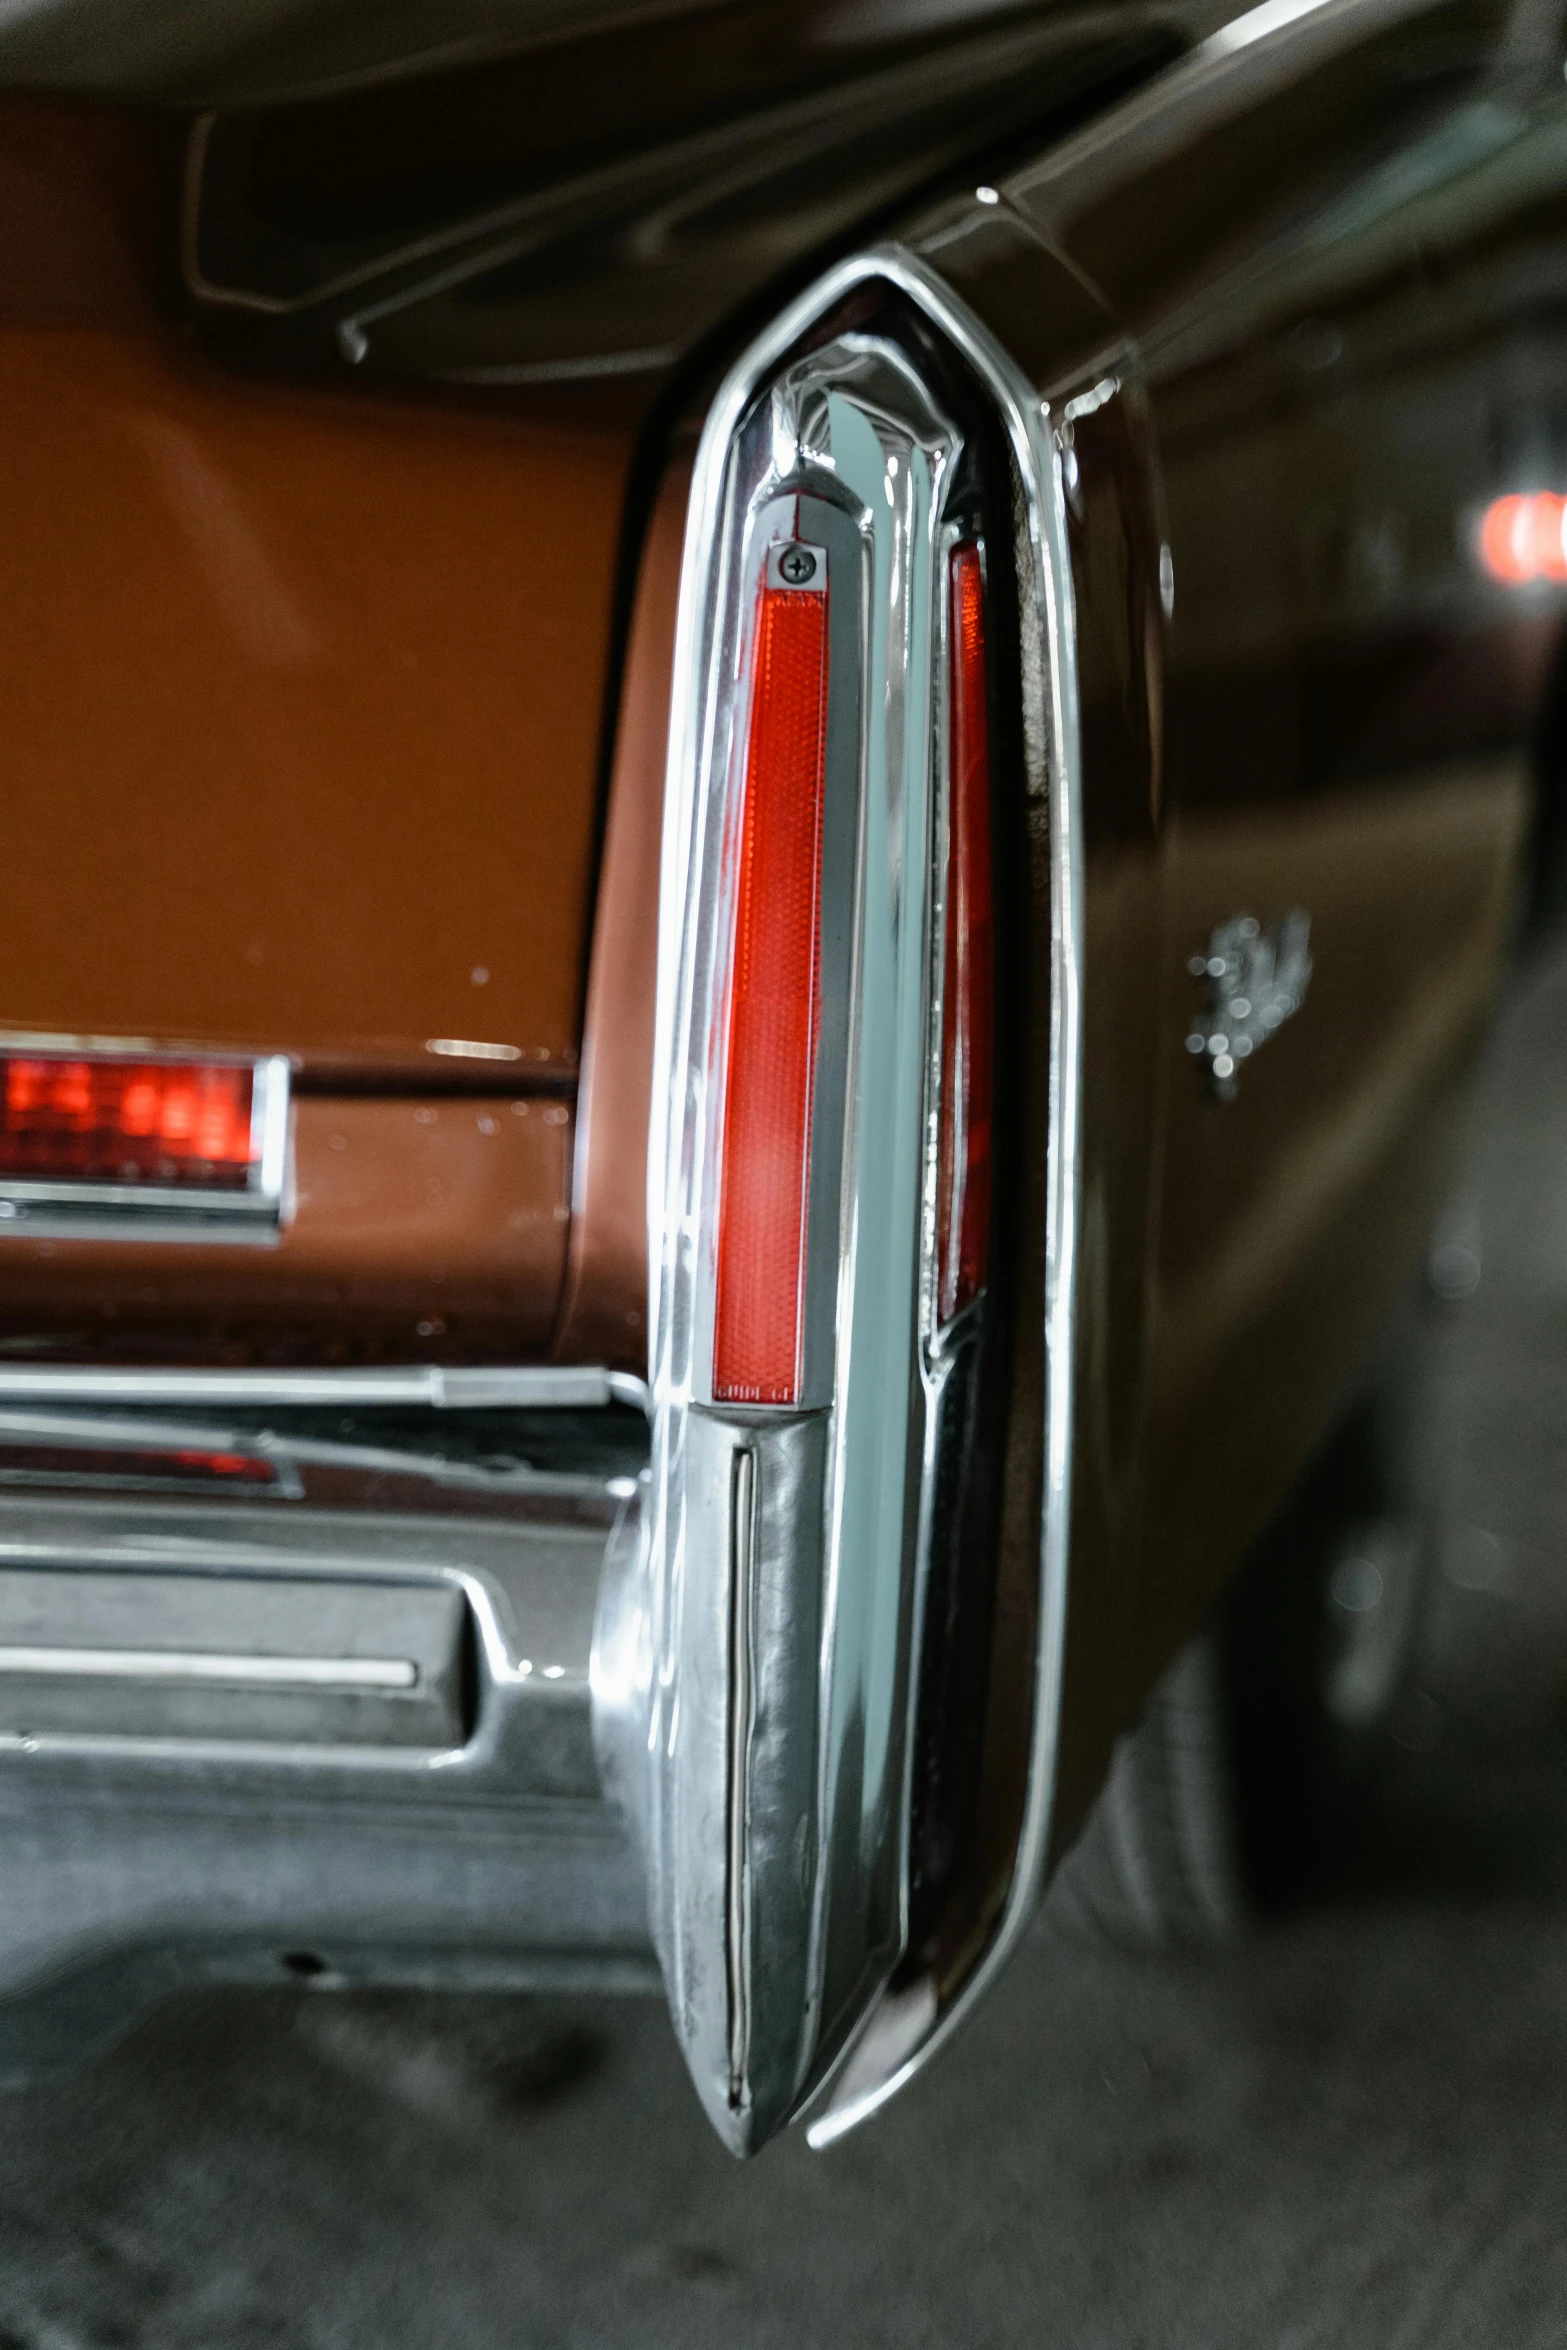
759, 1719
98, 1207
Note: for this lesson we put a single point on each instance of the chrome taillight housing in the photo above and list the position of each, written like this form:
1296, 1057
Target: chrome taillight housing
124, 1141
864, 815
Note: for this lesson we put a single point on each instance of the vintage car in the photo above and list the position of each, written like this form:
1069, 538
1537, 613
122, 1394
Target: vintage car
765, 772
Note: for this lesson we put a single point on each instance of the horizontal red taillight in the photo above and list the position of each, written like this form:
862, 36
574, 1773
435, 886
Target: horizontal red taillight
968, 992
774, 1005
77, 1120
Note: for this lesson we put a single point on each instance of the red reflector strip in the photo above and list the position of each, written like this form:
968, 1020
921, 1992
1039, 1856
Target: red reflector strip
968, 992
116, 1121
774, 1004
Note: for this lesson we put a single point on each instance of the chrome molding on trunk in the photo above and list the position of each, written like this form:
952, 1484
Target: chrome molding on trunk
439, 1387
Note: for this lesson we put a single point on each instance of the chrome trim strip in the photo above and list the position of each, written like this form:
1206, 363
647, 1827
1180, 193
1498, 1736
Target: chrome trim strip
108, 1198
149, 1664
741, 1568
269, 1111
1256, 50
141, 1441
1028, 424
530, 1387
86, 1044
283, 1451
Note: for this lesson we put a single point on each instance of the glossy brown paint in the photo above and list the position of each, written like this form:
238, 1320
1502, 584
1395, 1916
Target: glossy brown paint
1291, 1215
303, 692
591, 211
1064, 336
1337, 374
1351, 713
302, 689
604, 1310
1306, 387
430, 1229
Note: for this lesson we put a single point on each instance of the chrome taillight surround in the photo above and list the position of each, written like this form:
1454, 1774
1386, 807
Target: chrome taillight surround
758, 1668
140, 1204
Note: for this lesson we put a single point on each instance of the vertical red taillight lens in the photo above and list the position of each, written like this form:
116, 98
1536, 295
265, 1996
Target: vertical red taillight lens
774, 1004
968, 993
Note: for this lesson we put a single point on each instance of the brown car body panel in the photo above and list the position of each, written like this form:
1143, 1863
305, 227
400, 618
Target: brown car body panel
424, 1227
1334, 710
304, 692
303, 699
302, 713
1341, 717
1288, 1225
604, 1311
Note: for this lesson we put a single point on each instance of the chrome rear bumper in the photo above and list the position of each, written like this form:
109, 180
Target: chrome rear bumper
261, 1739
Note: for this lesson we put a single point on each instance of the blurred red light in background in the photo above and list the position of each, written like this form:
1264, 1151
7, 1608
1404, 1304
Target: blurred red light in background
79, 1120
1523, 538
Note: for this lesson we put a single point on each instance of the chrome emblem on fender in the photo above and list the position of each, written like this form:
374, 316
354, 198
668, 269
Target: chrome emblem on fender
1253, 979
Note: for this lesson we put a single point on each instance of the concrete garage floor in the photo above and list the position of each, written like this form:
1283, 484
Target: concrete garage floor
1352, 2133
1350, 2128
